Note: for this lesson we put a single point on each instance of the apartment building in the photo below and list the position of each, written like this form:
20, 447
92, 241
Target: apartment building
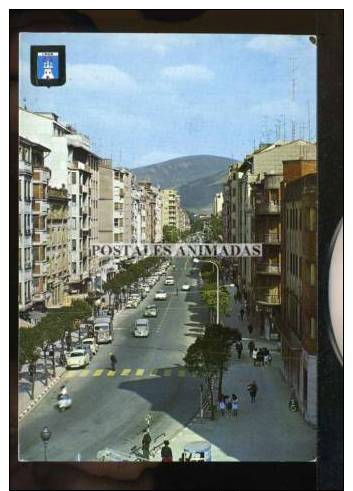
74, 165
184, 220
299, 282
32, 194
137, 211
170, 207
217, 204
57, 249
153, 212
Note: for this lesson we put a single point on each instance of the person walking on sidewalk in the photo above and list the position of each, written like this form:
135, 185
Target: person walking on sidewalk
242, 312
222, 407
235, 405
113, 361
252, 388
166, 452
146, 442
229, 406
251, 347
250, 329
239, 348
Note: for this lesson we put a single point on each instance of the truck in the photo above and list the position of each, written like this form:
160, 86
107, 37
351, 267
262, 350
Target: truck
103, 329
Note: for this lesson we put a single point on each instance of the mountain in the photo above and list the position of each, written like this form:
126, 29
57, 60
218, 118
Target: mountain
197, 178
197, 196
182, 170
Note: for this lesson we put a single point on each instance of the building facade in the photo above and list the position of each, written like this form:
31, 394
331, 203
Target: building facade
299, 283
58, 247
217, 204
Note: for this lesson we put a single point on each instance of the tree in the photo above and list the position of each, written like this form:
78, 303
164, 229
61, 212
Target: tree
29, 352
207, 356
209, 296
171, 234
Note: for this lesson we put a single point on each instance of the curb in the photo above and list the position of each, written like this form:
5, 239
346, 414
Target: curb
40, 396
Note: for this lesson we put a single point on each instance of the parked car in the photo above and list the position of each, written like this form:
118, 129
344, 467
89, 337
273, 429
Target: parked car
78, 358
160, 295
185, 288
92, 343
151, 311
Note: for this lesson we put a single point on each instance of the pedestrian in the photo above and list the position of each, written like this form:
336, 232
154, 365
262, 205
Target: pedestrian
235, 405
242, 312
250, 329
239, 348
113, 361
222, 407
166, 452
251, 347
252, 388
146, 442
254, 356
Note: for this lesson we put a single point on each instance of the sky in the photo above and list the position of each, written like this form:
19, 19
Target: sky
146, 98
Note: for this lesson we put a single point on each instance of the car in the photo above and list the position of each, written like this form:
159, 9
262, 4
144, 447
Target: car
147, 288
185, 288
160, 295
92, 343
141, 328
151, 311
169, 280
77, 358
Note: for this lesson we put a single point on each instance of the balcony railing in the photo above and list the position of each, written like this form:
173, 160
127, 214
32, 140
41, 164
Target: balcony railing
268, 268
40, 237
41, 207
270, 238
267, 208
268, 298
40, 269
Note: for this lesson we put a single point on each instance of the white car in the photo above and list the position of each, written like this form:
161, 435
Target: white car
169, 280
77, 358
185, 288
92, 344
160, 295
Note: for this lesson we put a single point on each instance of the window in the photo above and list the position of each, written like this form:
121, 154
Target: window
73, 177
73, 199
73, 223
73, 244
73, 268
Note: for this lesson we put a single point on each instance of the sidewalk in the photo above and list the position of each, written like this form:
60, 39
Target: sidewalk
264, 431
25, 403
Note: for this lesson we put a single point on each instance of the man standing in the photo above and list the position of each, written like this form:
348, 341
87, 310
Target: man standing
250, 329
239, 348
146, 442
166, 452
251, 347
242, 312
252, 388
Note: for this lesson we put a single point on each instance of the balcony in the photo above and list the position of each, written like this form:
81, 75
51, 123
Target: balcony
272, 182
263, 298
270, 238
25, 167
267, 208
268, 268
79, 140
84, 210
84, 188
75, 278
41, 207
40, 269
39, 297
40, 237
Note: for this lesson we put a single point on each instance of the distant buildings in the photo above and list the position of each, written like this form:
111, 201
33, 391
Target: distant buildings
173, 214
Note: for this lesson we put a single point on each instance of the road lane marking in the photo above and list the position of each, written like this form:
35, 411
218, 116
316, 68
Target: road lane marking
125, 372
140, 372
181, 372
111, 373
84, 373
167, 372
98, 372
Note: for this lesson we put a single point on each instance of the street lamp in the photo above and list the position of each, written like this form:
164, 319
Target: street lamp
196, 260
45, 435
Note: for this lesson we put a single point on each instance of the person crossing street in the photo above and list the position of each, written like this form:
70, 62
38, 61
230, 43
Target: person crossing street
252, 388
113, 362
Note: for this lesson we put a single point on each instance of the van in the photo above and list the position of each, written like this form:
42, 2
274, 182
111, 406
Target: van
141, 328
103, 329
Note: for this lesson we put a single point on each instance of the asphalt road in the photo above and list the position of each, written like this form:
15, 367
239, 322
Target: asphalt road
109, 410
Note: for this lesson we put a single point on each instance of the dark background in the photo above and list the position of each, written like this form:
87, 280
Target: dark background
328, 472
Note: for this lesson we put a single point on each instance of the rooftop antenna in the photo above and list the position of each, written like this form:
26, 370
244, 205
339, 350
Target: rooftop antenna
293, 94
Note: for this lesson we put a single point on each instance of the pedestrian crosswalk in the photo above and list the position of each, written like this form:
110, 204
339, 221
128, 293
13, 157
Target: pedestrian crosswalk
129, 372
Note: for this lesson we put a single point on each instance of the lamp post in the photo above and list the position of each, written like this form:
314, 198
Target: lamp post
45, 435
196, 260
